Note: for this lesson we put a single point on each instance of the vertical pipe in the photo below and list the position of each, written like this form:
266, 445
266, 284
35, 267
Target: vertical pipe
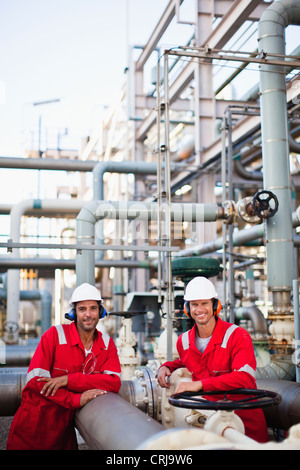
224, 226
230, 226
167, 214
275, 148
159, 267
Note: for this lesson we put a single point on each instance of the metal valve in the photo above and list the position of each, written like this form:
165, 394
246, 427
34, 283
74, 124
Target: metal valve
265, 204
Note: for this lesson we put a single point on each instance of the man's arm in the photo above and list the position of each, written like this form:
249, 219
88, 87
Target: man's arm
107, 379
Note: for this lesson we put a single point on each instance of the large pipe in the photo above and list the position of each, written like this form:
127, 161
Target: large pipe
275, 146
12, 383
109, 422
287, 413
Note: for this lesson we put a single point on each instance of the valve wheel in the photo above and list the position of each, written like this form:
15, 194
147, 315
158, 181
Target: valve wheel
254, 399
265, 207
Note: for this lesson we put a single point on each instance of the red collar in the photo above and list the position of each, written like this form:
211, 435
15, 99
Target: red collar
75, 340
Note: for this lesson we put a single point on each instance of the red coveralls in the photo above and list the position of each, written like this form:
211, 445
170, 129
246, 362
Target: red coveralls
47, 422
227, 362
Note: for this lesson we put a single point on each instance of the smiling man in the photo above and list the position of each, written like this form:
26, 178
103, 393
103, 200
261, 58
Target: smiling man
72, 365
219, 355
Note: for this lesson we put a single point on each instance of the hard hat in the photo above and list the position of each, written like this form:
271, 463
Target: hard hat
200, 288
85, 292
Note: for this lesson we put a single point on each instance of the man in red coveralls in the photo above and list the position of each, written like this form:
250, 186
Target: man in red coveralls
72, 365
219, 355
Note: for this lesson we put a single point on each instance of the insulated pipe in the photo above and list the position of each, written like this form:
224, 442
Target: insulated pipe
129, 210
13, 282
12, 381
109, 422
287, 413
275, 147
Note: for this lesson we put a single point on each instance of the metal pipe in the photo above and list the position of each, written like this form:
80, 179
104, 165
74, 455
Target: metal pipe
287, 413
109, 422
13, 284
275, 148
129, 210
12, 383
63, 164
53, 263
238, 238
126, 167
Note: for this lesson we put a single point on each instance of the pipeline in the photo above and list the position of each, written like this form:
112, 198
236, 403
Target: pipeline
123, 412
287, 413
126, 427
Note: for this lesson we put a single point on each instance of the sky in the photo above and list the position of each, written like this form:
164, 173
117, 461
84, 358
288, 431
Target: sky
74, 51
61, 63
71, 54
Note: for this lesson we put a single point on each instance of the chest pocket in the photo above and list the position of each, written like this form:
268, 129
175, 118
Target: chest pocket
64, 361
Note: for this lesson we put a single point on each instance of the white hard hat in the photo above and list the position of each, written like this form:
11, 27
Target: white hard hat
85, 292
200, 288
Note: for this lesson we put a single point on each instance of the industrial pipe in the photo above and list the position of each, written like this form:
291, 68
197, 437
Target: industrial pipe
287, 413
13, 284
109, 422
275, 147
129, 210
238, 238
139, 168
12, 382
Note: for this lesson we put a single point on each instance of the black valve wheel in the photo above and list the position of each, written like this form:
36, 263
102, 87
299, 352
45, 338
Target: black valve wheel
264, 204
254, 398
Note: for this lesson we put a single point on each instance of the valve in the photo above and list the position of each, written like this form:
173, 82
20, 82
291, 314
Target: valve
265, 204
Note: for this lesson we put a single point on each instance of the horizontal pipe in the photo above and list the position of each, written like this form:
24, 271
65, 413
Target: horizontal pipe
109, 422
12, 382
287, 413
64, 164
53, 263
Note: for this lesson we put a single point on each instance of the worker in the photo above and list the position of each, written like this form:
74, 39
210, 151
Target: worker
218, 354
73, 364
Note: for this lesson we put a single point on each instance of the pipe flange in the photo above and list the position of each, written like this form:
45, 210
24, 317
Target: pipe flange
229, 211
246, 212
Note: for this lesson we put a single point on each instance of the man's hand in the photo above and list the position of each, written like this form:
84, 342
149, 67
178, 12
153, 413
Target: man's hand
163, 373
53, 384
189, 386
89, 395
